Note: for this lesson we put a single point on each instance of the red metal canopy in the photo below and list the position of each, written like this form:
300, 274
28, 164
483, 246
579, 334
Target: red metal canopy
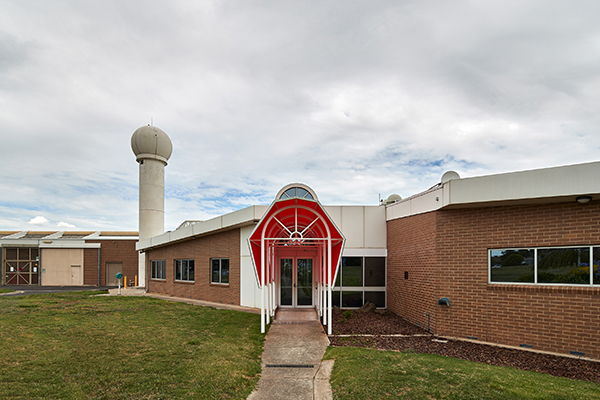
299, 223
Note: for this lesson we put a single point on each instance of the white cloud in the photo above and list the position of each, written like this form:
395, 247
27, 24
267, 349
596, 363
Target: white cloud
62, 224
354, 100
39, 220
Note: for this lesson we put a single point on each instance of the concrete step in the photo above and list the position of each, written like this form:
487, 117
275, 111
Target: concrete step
295, 315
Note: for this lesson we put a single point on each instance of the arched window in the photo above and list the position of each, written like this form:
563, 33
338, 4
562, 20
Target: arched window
296, 192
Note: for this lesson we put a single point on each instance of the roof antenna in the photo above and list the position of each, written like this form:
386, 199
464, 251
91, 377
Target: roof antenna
151, 121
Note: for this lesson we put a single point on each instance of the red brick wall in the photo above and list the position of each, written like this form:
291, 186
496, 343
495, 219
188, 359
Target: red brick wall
90, 267
201, 250
412, 248
122, 251
552, 318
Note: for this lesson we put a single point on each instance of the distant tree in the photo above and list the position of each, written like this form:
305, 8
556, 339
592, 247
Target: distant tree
512, 260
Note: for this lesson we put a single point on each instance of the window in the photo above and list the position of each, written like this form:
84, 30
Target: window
554, 265
184, 270
570, 265
158, 269
219, 270
296, 192
512, 265
360, 280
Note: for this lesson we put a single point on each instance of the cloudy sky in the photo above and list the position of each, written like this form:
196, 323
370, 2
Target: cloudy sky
354, 98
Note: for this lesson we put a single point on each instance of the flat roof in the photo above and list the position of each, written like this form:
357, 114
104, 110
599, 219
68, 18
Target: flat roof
67, 235
547, 185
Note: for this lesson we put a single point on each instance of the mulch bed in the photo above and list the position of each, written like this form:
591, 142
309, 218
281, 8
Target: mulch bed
375, 324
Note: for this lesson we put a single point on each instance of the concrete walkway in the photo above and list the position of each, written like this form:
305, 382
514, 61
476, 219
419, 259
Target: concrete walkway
291, 360
219, 306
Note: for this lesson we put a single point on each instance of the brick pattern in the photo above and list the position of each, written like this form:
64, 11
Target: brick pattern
201, 250
90, 267
552, 318
122, 251
412, 248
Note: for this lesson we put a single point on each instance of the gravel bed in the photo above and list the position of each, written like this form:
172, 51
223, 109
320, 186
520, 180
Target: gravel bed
372, 323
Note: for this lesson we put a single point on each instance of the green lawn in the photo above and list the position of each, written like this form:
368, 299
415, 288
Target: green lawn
372, 374
6, 291
77, 345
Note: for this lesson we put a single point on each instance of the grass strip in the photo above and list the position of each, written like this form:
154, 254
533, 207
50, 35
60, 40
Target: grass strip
6, 291
360, 373
78, 345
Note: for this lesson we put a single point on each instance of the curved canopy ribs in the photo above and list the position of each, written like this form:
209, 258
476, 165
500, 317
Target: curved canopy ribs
296, 223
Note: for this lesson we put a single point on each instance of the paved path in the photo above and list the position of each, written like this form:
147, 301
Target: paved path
291, 360
24, 290
218, 306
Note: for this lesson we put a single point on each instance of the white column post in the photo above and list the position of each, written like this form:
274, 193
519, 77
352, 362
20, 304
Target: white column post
324, 285
329, 283
262, 284
273, 284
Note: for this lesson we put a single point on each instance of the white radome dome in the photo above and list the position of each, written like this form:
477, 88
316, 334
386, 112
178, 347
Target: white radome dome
151, 140
450, 175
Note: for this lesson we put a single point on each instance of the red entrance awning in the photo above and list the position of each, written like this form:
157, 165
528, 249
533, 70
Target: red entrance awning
295, 223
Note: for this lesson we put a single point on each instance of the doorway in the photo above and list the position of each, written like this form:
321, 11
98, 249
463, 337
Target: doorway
111, 271
296, 283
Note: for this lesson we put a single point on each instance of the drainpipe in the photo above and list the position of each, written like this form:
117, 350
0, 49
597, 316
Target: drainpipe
98, 266
147, 273
39, 266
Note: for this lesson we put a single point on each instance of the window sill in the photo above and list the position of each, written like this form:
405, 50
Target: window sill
544, 288
219, 284
185, 282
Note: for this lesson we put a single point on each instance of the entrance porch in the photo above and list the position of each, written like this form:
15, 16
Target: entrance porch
296, 249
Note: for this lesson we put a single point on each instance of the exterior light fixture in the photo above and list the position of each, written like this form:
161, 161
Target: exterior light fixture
444, 301
583, 199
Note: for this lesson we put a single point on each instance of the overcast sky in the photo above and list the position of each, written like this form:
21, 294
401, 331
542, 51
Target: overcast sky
354, 98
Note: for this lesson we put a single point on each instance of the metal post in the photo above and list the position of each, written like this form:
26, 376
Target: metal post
98, 266
273, 297
329, 283
262, 284
323, 285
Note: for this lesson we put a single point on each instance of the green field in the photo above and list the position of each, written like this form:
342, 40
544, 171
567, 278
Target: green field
372, 374
77, 345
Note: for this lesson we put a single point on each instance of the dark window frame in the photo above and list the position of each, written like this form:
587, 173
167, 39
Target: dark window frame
184, 270
156, 266
342, 292
221, 271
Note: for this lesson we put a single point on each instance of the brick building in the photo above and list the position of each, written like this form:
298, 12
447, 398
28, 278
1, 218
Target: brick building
510, 259
67, 258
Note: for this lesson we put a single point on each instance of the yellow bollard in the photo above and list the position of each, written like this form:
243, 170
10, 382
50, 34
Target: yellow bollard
136, 281
125, 282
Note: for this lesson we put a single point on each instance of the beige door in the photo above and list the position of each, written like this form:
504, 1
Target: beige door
111, 271
76, 275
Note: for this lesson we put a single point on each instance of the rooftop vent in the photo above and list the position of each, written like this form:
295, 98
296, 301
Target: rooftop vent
392, 198
448, 176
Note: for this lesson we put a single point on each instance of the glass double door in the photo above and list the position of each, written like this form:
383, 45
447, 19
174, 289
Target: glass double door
296, 282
